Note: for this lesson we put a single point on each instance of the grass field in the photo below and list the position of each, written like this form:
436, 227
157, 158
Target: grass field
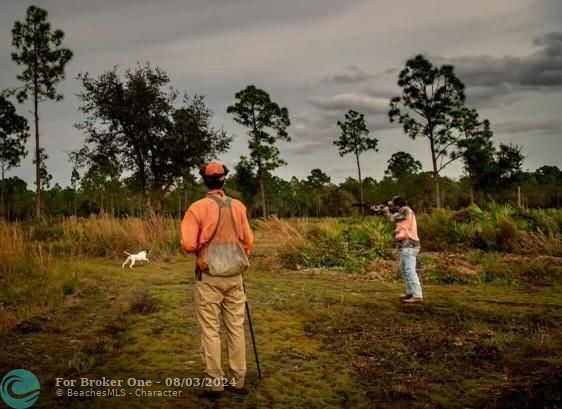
327, 339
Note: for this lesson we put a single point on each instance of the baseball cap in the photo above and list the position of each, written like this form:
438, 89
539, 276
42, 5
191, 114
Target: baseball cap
214, 169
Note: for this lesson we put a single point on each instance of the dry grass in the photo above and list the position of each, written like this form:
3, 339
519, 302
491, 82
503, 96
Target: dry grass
19, 254
273, 237
539, 243
13, 238
108, 236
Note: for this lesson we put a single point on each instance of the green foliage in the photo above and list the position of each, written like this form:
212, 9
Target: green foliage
38, 49
132, 124
477, 150
246, 181
267, 123
350, 244
317, 178
402, 164
13, 137
101, 190
354, 139
44, 176
431, 105
440, 109
501, 228
46, 231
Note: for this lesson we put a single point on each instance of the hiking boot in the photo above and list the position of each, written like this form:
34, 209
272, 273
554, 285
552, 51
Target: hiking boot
239, 391
405, 296
413, 300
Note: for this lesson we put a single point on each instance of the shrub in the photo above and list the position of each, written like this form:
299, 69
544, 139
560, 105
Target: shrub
538, 243
350, 244
536, 220
46, 231
433, 229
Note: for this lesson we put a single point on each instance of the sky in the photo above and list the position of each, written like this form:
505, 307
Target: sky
318, 58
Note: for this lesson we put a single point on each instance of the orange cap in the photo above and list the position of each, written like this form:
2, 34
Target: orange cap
214, 169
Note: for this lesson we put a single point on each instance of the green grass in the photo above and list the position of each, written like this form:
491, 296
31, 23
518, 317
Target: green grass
326, 339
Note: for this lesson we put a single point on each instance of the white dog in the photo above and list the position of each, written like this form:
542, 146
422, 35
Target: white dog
133, 258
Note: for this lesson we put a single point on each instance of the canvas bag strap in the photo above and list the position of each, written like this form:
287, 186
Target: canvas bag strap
222, 204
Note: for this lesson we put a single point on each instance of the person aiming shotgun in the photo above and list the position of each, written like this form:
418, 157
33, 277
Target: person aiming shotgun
407, 242
216, 229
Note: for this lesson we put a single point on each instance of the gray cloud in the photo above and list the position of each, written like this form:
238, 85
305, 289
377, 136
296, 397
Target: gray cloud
350, 75
344, 102
540, 69
531, 125
316, 131
126, 23
319, 58
491, 81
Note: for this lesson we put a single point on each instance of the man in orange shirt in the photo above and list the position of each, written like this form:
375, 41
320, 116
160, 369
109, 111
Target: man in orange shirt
216, 229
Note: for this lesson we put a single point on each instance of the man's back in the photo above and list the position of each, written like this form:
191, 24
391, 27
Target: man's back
200, 222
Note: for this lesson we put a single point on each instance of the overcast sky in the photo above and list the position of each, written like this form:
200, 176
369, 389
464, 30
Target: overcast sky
318, 58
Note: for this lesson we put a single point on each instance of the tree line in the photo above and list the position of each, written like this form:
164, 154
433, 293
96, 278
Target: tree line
143, 139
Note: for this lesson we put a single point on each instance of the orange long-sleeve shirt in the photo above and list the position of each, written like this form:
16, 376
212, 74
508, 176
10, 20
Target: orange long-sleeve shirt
200, 222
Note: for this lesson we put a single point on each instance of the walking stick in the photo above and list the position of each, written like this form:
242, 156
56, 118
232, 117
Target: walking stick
252, 334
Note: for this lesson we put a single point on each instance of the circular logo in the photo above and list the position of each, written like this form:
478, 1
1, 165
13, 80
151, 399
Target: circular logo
19, 389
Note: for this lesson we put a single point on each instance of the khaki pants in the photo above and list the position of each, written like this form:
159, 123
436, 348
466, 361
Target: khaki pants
216, 297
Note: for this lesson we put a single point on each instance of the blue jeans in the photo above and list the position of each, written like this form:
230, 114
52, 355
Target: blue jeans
408, 270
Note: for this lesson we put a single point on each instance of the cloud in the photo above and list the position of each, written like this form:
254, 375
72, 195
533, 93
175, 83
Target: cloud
491, 81
344, 102
350, 75
536, 125
319, 58
542, 68
315, 132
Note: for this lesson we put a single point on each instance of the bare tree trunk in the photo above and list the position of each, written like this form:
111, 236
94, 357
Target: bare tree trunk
435, 172
437, 191
37, 155
362, 201
262, 193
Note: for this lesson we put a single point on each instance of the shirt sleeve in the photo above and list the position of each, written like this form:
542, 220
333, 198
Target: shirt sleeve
189, 232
